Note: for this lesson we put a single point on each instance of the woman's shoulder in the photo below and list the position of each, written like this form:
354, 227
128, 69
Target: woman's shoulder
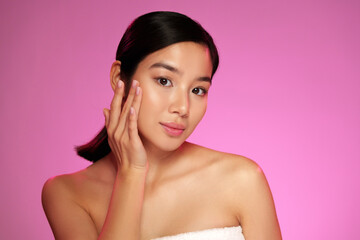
74, 185
239, 171
242, 178
238, 164
66, 200
59, 195
63, 186
248, 183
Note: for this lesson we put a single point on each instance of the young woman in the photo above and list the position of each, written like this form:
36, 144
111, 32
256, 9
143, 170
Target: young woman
146, 181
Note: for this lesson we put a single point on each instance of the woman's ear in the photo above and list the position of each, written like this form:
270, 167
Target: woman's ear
115, 74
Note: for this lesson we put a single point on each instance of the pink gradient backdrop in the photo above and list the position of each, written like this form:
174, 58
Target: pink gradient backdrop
287, 95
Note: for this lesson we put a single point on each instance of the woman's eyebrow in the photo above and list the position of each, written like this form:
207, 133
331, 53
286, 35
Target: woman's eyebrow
204, 79
166, 66
177, 71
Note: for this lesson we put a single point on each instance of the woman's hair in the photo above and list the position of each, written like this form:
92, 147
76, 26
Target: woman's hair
145, 35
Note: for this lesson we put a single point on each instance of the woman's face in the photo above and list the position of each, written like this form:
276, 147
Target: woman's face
175, 81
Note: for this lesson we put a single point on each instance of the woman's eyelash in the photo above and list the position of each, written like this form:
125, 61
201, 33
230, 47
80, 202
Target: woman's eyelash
166, 82
163, 81
204, 91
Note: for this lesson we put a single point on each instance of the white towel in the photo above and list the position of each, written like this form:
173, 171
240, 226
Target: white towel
226, 233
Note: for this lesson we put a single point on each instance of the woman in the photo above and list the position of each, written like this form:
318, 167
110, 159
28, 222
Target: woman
146, 181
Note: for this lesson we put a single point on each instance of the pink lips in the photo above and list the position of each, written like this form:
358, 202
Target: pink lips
173, 129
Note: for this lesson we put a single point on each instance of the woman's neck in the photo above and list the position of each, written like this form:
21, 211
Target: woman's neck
159, 161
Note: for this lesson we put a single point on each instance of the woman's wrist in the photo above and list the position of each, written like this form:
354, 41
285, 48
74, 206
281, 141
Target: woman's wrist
132, 173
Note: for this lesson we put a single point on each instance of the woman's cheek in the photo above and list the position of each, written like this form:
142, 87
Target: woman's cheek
150, 107
198, 111
152, 96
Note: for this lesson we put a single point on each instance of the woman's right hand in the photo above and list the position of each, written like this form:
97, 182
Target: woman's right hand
121, 125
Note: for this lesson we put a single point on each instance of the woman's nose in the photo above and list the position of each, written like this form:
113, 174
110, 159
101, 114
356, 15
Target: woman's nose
179, 103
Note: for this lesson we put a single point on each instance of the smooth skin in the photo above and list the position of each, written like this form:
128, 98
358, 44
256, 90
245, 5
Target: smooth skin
153, 184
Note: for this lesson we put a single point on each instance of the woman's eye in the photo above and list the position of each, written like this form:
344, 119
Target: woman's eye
165, 82
199, 91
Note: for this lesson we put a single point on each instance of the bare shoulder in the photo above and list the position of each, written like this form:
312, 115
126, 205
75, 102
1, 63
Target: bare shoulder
249, 193
248, 180
242, 173
245, 172
63, 199
239, 171
62, 192
75, 185
252, 201
237, 166
63, 186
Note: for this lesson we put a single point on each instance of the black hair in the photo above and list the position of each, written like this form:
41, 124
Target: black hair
145, 35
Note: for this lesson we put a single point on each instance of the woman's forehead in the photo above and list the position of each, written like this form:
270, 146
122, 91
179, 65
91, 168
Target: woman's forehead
179, 58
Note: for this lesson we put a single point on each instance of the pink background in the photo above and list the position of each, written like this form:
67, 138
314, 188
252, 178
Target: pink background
287, 95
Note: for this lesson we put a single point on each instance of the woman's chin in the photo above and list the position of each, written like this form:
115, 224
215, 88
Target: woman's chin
168, 147
166, 144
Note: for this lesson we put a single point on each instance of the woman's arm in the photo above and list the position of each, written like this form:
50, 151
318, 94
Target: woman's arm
255, 208
123, 217
68, 219
124, 214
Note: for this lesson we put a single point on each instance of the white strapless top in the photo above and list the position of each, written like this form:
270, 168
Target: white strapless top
226, 233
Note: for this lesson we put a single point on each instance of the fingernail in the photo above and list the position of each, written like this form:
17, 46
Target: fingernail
137, 90
119, 84
132, 110
134, 83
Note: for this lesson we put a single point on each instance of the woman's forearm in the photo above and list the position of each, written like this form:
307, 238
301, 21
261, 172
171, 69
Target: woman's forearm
124, 213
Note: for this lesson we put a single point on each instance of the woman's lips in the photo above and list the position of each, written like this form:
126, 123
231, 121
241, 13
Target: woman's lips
173, 129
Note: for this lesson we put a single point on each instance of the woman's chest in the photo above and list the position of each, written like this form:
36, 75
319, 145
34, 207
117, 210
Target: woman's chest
172, 208
179, 213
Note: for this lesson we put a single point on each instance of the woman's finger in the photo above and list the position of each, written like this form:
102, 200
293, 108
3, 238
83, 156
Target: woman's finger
134, 114
133, 130
115, 107
137, 100
126, 108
